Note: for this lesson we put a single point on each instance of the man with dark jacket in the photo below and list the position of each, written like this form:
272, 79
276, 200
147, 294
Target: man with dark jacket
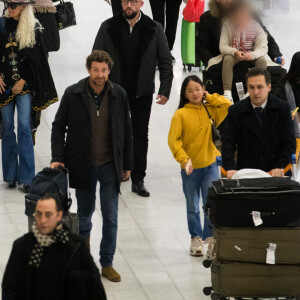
260, 129
98, 147
136, 43
210, 32
50, 262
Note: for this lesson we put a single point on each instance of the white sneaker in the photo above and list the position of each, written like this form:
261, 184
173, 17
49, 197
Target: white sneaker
210, 242
196, 248
228, 95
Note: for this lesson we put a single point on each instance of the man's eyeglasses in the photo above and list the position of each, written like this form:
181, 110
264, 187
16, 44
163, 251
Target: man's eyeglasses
11, 5
39, 215
133, 2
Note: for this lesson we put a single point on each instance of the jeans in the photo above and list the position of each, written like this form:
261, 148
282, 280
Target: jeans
17, 157
109, 198
199, 180
140, 109
166, 12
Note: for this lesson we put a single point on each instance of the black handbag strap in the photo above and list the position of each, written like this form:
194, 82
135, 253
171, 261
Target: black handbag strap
211, 119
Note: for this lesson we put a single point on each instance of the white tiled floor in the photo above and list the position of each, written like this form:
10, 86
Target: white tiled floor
153, 241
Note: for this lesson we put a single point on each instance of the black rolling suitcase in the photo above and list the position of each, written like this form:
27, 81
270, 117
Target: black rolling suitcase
52, 181
246, 280
266, 202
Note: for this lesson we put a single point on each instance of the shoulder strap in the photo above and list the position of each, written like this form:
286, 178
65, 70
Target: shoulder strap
212, 121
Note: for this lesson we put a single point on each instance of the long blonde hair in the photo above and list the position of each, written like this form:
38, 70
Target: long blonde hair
25, 34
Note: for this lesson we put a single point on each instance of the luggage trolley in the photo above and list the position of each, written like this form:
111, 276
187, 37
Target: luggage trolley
228, 267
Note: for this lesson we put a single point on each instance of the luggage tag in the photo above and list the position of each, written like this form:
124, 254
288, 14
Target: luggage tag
271, 254
240, 90
256, 216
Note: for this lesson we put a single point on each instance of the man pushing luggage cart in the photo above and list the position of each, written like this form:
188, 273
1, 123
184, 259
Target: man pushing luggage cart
260, 129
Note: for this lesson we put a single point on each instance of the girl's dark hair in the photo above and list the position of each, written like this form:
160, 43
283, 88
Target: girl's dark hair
293, 75
183, 100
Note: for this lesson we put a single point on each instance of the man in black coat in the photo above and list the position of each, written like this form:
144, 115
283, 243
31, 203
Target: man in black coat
50, 262
210, 32
137, 45
98, 147
260, 128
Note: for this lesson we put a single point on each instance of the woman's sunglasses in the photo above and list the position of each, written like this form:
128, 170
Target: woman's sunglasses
11, 5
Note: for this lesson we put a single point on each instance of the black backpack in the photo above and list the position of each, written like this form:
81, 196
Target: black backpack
49, 181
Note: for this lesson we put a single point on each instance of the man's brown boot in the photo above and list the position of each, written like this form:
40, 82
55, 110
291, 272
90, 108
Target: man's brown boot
111, 274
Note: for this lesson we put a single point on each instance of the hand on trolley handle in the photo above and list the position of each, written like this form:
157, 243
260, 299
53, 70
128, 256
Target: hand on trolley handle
274, 173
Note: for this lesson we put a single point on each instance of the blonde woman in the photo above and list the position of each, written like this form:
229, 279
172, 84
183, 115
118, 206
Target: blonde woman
25, 84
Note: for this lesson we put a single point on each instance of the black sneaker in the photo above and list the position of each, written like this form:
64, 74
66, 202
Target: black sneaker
140, 189
26, 188
12, 184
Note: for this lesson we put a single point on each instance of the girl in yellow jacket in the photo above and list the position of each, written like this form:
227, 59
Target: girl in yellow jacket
190, 140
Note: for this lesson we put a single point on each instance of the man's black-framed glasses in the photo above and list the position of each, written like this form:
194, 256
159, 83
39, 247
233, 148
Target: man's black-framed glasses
133, 2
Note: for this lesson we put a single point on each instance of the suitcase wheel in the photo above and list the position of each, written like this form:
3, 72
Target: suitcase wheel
189, 68
207, 263
207, 291
214, 296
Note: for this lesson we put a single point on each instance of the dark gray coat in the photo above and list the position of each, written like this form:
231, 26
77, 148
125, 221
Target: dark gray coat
153, 48
73, 118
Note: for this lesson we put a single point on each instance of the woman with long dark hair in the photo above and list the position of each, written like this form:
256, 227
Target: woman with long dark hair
26, 85
190, 140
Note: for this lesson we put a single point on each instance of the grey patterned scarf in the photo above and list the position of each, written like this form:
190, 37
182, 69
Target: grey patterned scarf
59, 235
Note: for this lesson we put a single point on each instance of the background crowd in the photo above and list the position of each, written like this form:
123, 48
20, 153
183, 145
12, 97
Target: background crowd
293, 83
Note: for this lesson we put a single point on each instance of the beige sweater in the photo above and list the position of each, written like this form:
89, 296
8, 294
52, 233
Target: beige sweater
260, 48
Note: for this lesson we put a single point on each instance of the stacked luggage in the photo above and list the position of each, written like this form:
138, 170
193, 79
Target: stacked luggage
257, 238
54, 181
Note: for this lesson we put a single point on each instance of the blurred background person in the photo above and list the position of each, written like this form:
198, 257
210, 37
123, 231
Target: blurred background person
166, 12
44, 11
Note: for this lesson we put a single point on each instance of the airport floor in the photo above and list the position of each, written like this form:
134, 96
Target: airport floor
153, 241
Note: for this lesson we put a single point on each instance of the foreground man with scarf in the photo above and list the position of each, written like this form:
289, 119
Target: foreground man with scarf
50, 262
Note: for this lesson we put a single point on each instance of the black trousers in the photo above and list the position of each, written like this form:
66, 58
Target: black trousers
166, 12
116, 6
140, 109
